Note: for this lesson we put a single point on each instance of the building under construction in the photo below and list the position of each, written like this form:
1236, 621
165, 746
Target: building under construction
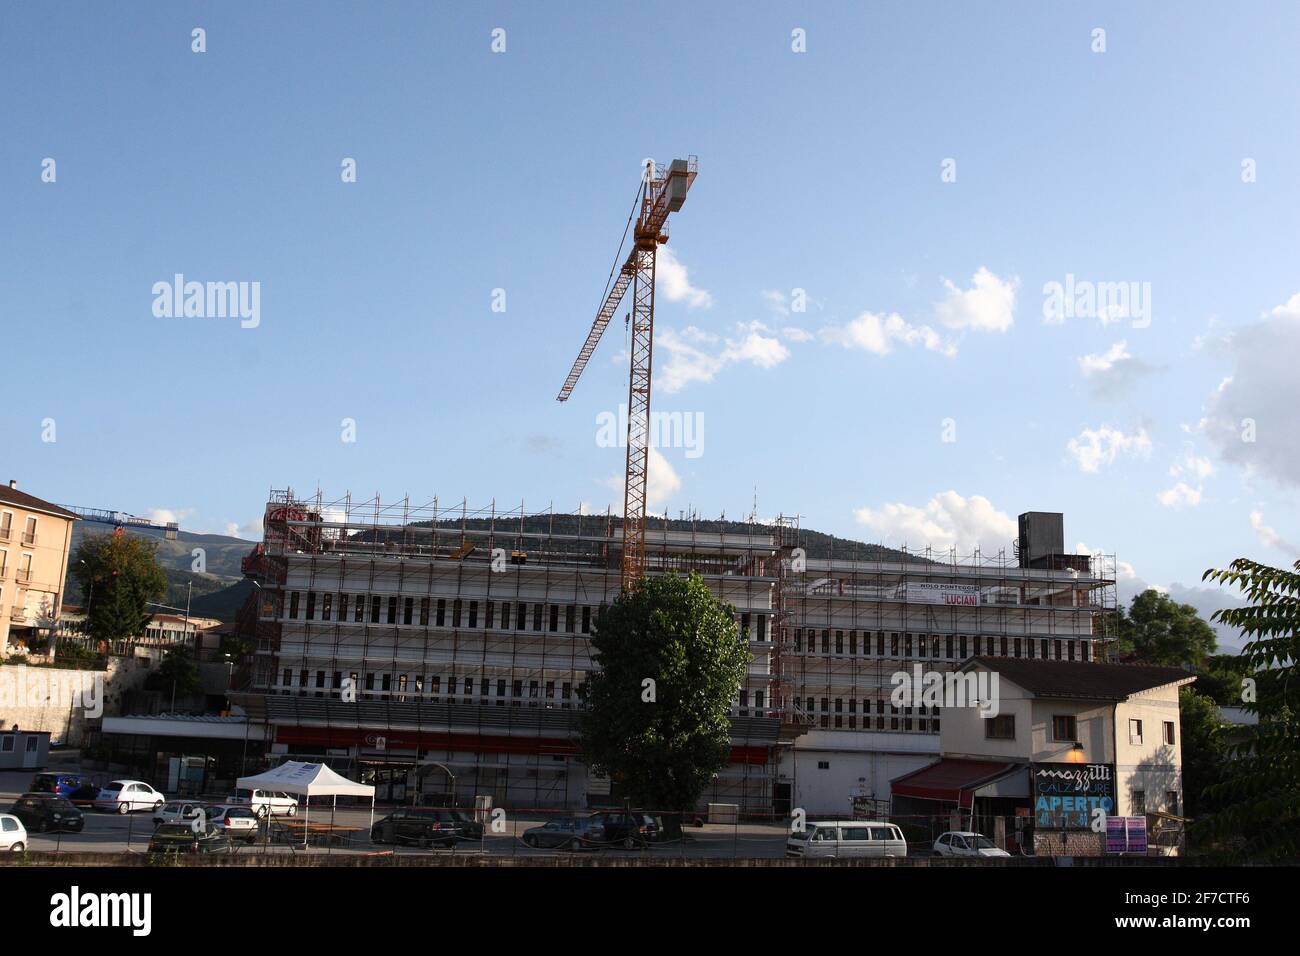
441, 652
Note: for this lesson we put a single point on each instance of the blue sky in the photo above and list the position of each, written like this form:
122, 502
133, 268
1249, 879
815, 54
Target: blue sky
820, 171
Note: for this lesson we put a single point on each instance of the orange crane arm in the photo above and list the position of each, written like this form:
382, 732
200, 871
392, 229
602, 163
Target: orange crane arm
606, 313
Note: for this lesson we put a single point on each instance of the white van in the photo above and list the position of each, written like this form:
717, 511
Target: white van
847, 839
263, 802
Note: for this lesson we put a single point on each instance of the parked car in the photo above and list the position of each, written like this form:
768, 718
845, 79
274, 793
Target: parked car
968, 844
43, 812
425, 826
125, 796
264, 801
77, 787
565, 833
177, 811
626, 829
186, 838
846, 839
13, 835
238, 822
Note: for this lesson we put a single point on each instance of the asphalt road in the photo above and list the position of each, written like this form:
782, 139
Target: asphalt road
115, 833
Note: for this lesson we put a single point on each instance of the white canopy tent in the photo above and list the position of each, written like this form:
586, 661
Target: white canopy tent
308, 780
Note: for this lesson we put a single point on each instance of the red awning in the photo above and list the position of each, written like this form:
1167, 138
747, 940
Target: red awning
950, 780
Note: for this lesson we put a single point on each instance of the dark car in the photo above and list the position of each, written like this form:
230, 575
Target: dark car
422, 826
77, 787
189, 838
626, 829
44, 812
565, 833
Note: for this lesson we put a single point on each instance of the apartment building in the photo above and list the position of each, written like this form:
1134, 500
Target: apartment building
859, 628
35, 536
441, 648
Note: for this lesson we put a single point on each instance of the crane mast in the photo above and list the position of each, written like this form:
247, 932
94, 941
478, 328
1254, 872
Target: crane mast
663, 191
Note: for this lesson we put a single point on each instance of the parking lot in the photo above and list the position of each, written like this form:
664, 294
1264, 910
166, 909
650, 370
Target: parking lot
106, 832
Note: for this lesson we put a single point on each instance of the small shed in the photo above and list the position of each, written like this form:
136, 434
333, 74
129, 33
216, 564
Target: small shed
24, 749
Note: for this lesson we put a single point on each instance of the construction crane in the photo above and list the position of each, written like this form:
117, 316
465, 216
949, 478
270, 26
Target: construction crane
662, 191
120, 519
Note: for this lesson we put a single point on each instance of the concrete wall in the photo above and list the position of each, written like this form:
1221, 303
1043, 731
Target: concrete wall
857, 764
1152, 766
63, 701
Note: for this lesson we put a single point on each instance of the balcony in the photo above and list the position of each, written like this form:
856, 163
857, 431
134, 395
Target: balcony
23, 575
18, 614
29, 539
5, 532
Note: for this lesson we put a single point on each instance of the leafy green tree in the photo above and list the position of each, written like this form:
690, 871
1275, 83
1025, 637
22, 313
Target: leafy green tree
177, 675
1159, 630
670, 660
119, 575
1204, 747
1259, 799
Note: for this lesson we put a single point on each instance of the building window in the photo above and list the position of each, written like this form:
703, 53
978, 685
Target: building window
1056, 648
537, 617
1069, 649
374, 609
441, 617
586, 620
570, 616
293, 605
1169, 733
359, 612
326, 602
1135, 733
1171, 801
1044, 649
839, 642
1139, 803
455, 613
823, 765
826, 641
963, 646
473, 613
408, 610
1017, 646
392, 609
1001, 727
489, 614
1030, 647
343, 607
505, 616
762, 627
893, 645
311, 605
424, 612
1065, 727
521, 618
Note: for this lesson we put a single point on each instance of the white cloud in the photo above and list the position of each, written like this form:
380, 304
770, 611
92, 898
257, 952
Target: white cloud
878, 334
755, 347
1095, 447
1113, 372
1181, 495
988, 306
691, 360
776, 301
1270, 538
1251, 415
662, 481
673, 281
946, 520
796, 334
252, 530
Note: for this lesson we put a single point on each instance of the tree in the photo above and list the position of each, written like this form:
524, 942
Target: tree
119, 576
1259, 799
1204, 748
1158, 630
670, 660
177, 675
